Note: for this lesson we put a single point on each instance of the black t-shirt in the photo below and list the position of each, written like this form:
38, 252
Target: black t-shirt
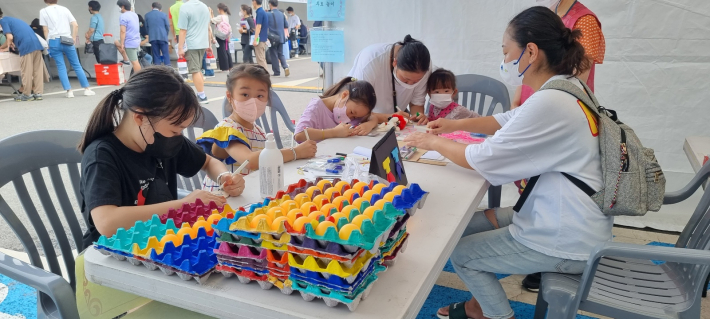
113, 174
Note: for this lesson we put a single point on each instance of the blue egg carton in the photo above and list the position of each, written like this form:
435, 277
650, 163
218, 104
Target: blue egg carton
411, 199
334, 282
195, 256
120, 255
333, 298
223, 224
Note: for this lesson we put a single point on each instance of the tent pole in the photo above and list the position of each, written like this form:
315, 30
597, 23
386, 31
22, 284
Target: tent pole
328, 66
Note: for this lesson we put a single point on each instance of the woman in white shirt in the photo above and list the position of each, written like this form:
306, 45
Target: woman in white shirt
58, 23
401, 67
558, 225
222, 21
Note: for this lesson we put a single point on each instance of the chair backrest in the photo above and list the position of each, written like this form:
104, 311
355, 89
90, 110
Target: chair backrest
205, 122
487, 88
695, 235
28, 153
275, 107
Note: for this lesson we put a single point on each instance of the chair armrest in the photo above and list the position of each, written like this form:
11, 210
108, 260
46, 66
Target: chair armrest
685, 192
611, 249
52, 285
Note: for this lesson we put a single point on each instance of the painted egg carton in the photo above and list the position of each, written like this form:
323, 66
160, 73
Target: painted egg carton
258, 265
324, 255
238, 240
333, 298
392, 242
240, 251
389, 260
347, 270
124, 240
264, 280
399, 225
194, 256
189, 213
335, 283
371, 234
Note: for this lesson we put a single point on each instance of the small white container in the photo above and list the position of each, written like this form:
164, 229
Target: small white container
271, 165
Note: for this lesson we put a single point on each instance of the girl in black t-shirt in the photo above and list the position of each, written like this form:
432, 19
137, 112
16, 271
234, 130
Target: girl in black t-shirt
133, 150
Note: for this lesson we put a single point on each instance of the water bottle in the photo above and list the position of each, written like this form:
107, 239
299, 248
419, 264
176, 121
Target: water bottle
271, 164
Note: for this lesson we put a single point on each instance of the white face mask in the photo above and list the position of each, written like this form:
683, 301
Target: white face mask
509, 71
547, 3
241, 15
440, 100
404, 85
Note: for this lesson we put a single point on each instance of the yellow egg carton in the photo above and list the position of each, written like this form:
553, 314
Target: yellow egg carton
348, 270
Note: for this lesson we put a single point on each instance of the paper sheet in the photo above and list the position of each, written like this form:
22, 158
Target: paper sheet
432, 155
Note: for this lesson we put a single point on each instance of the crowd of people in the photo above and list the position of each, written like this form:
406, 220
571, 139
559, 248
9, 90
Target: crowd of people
189, 25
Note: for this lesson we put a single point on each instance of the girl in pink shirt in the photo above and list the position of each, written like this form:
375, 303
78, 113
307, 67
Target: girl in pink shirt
340, 109
442, 92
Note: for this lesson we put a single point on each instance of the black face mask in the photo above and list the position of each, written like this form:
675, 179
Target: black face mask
163, 147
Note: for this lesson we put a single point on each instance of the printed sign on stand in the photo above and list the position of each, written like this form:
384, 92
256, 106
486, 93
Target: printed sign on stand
326, 10
327, 45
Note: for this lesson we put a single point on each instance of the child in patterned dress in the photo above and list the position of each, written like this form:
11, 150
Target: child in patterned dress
442, 90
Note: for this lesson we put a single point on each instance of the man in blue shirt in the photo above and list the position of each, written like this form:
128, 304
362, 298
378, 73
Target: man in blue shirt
158, 27
95, 35
22, 38
262, 32
278, 25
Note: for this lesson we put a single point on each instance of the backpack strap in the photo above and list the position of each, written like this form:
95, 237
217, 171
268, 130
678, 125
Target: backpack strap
591, 102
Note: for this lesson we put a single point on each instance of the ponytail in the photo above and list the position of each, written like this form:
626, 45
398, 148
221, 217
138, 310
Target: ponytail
539, 25
413, 56
360, 92
156, 92
224, 8
103, 120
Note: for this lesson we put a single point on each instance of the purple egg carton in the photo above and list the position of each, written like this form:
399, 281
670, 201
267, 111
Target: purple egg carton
189, 212
401, 223
330, 247
240, 251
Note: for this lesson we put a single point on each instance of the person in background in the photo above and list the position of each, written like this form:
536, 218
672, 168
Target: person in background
95, 34
158, 27
261, 31
37, 28
237, 138
334, 114
221, 23
143, 31
21, 37
57, 22
302, 38
174, 15
294, 26
247, 28
442, 90
278, 25
576, 17
196, 33
401, 67
130, 39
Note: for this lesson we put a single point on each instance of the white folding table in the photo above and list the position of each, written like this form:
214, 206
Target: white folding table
399, 292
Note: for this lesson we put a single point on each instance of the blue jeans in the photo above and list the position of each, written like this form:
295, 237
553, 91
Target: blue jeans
484, 251
161, 52
57, 51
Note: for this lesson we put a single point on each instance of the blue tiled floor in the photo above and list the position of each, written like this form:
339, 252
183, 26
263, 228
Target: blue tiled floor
21, 299
441, 296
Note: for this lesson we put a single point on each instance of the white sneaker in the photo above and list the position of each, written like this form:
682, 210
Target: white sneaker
70, 94
297, 55
89, 92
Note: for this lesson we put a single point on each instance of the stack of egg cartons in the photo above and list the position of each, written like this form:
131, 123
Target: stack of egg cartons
159, 244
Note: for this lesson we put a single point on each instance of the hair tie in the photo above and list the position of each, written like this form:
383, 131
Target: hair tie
117, 93
353, 79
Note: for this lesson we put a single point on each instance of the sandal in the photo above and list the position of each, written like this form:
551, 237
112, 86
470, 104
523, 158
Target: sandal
456, 311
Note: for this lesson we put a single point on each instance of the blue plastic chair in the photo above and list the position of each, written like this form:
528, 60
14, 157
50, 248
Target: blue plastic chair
28, 153
276, 107
205, 122
623, 281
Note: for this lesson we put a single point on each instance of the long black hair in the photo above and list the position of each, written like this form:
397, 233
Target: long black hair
360, 92
157, 92
224, 8
413, 56
539, 25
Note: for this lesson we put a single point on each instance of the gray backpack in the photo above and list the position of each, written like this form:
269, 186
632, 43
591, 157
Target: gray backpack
633, 180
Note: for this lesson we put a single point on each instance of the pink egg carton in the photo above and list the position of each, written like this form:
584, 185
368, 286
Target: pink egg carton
190, 212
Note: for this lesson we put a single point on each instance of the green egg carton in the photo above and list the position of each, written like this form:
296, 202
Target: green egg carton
333, 298
139, 234
372, 231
